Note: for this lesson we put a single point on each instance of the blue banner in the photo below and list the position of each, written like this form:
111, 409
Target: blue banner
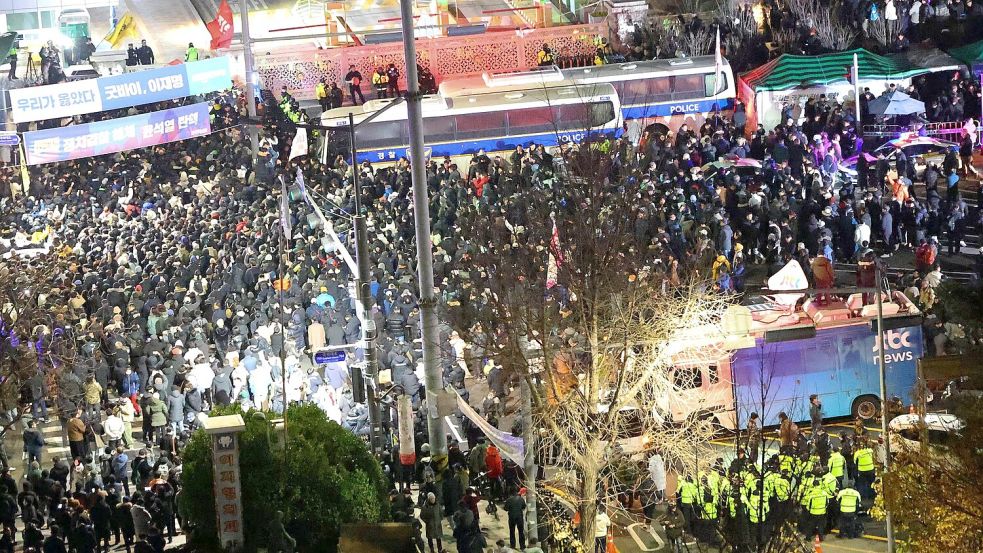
120, 91
117, 135
143, 87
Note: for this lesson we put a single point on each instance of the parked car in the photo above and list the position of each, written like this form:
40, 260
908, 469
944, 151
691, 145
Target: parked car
941, 429
921, 151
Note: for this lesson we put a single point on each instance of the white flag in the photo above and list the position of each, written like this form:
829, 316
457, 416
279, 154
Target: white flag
718, 64
299, 146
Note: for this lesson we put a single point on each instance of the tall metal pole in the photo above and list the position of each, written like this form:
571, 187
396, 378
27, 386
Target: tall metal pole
247, 58
884, 398
371, 371
856, 93
424, 251
529, 462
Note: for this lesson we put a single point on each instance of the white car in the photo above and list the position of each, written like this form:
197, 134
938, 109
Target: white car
942, 429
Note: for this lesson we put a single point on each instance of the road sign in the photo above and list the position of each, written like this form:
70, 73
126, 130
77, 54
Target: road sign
335, 356
9, 138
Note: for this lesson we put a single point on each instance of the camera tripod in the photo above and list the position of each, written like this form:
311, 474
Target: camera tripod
33, 71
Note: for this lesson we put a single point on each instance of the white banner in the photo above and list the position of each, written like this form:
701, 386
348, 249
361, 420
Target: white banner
55, 101
510, 446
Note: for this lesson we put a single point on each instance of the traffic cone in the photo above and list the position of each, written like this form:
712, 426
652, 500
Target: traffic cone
817, 545
611, 547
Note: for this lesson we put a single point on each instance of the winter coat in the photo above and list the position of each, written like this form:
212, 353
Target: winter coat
175, 407
158, 411
431, 516
93, 393
493, 462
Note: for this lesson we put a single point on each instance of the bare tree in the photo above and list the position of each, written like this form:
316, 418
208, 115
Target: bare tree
36, 331
597, 347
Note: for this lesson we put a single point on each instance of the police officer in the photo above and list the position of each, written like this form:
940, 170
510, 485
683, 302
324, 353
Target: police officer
864, 459
321, 93
837, 465
687, 502
12, 60
815, 504
848, 501
191, 54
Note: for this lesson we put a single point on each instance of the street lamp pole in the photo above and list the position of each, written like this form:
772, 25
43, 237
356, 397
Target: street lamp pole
250, 70
371, 371
884, 399
424, 251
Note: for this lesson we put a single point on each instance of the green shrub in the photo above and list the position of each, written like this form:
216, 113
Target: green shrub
327, 478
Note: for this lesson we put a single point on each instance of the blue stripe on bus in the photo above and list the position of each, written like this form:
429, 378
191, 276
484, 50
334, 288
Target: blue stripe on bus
676, 108
467, 147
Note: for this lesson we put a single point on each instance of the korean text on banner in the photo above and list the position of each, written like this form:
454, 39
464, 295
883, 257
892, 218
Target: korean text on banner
117, 135
120, 91
55, 101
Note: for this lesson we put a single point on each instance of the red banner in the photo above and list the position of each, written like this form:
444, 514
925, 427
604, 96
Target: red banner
221, 27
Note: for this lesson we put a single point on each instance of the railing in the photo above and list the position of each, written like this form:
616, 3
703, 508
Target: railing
300, 71
931, 129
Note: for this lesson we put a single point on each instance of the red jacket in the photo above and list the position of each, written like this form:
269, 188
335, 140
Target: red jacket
493, 461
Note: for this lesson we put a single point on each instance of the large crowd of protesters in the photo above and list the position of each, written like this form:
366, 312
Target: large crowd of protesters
174, 285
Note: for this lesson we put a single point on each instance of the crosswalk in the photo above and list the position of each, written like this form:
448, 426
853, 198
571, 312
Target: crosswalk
56, 443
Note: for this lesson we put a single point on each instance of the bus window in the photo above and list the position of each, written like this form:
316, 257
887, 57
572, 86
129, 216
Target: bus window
686, 378
439, 129
601, 113
659, 89
582, 115
713, 375
383, 134
710, 79
686, 87
530, 120
480, 125
634, 92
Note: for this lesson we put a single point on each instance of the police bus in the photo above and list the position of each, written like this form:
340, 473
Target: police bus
493, 121
665, 94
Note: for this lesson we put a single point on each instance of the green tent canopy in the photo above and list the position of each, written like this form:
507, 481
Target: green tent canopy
971, 54
789, 71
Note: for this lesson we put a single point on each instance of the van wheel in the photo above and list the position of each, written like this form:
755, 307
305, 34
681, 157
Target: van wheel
866, 407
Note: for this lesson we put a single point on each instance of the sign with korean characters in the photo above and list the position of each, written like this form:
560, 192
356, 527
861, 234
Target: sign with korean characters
224, 432
117, 135
120, 91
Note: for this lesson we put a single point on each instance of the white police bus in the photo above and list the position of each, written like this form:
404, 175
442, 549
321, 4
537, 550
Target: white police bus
493, 121
665, 93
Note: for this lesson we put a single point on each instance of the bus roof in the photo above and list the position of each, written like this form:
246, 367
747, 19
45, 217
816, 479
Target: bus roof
768, 315
553, 76
439, 105
625, 71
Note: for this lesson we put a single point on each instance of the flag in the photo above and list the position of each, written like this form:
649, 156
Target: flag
25, 175
299, 145
221, 27
300, 182
718, 64
285, 209
553, 262
125, 28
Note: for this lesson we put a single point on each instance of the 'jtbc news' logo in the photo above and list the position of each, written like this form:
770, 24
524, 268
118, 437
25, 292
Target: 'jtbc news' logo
895, 340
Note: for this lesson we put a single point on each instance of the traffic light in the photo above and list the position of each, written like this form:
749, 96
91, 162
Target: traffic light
849, 73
